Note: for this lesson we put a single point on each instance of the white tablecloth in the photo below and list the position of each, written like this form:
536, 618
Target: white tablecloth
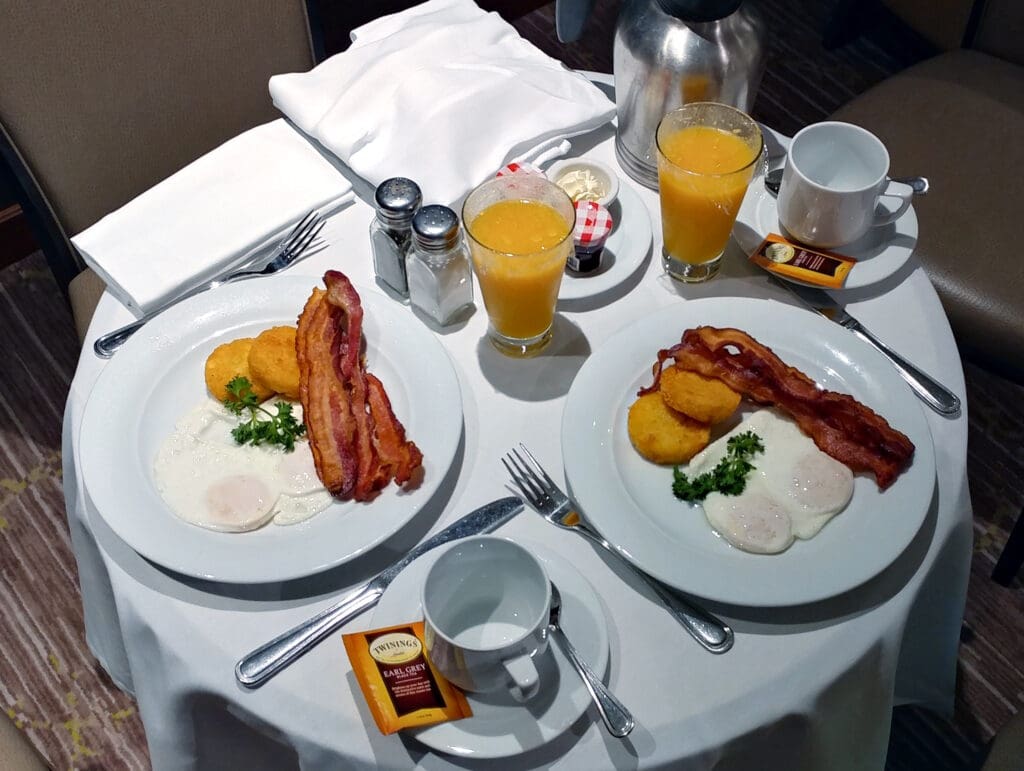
809, 687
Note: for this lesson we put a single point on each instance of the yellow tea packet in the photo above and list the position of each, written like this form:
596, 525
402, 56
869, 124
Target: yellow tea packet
785, 258
398, 682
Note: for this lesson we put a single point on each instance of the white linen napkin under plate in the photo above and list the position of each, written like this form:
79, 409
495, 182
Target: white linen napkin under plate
215, 213
443, 93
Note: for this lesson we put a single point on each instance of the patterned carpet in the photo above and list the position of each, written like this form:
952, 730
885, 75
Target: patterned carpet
53, 690
49, 683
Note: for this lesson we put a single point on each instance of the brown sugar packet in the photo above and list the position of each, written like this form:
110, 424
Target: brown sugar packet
398, 682
812, 266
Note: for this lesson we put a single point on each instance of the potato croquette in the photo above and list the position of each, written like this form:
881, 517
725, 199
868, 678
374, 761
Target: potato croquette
227, 362
663, 435
273, 362
704, 399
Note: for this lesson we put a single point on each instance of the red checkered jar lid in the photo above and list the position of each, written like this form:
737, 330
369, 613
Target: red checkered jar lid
593, 224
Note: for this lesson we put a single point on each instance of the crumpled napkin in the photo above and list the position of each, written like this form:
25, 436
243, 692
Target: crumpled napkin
443, 93
219, 211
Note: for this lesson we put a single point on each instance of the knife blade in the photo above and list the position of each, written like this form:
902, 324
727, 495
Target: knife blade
264, 662
927, 388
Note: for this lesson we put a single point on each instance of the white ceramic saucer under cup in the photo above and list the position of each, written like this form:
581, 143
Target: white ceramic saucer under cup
501, 727
879, 253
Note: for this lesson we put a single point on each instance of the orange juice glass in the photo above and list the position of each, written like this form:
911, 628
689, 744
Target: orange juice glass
520, 235
707, 154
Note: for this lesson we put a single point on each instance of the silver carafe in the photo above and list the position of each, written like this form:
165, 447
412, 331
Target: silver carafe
672, 52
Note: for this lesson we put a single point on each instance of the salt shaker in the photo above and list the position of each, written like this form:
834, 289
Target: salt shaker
440, 278
397, 199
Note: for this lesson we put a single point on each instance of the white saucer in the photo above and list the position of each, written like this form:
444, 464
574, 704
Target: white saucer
879, 254
624, 251
500, 726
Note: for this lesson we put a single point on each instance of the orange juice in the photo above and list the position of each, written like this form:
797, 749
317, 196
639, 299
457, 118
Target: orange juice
519, 250
703, 173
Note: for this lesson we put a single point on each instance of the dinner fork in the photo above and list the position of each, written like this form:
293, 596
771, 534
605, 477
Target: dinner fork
290, 249
549, 500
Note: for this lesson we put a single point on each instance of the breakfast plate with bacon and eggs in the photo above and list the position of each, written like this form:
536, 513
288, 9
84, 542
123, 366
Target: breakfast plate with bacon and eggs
270, 430
748, 452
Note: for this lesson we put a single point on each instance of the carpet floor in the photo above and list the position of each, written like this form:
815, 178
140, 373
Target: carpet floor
52, 688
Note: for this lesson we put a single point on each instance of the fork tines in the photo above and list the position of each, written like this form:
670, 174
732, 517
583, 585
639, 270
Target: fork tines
302, 235
530, 477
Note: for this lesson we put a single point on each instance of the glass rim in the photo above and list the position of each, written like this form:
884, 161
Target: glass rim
717, 105
548, 183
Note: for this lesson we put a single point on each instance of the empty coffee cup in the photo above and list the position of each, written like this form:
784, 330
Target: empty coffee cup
835, 189
486, 602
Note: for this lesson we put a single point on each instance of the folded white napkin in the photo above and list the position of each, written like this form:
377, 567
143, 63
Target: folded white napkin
215, 213
443, 93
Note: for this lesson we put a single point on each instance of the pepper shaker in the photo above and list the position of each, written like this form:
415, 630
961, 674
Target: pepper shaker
440, 277
396, 199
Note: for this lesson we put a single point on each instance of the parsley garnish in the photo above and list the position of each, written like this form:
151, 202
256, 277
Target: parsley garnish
729, 477
281, 429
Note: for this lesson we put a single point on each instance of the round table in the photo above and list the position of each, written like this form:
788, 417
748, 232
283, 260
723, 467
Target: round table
804, 687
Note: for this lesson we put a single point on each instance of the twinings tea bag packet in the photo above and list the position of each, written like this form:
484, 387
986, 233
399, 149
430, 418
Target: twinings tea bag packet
398, 682
792, 260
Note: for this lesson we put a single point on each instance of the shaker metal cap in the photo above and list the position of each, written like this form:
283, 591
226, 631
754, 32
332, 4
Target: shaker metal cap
397, 200
435, 228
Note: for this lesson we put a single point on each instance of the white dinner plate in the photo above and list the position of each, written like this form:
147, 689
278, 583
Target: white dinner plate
157, 377
879, 253
629, 499
624, 251
500, 726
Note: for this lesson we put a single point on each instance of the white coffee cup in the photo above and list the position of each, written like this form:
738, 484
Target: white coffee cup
486, 602
834, 184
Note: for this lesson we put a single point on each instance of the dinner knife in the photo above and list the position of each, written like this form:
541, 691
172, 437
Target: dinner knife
266, 661
927, 388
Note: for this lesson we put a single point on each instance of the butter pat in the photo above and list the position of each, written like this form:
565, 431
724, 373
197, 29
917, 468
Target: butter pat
585, 179
582, 185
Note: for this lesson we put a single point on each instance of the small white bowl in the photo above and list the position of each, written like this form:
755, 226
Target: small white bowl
604, 174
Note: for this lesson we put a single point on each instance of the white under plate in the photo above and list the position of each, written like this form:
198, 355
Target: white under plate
629, 499
501, 727
624, 251
157, 377
879, 253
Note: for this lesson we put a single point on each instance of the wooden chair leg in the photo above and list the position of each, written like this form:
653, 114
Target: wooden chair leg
1012, 557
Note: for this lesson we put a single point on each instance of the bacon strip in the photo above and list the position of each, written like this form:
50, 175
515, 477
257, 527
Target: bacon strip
325, 403
840, 426
399, 456
349, 369
358, 444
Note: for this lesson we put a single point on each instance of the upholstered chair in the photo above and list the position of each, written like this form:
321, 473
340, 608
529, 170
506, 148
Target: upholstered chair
958, 119
100, 101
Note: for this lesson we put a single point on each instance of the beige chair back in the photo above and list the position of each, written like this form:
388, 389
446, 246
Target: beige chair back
102, 100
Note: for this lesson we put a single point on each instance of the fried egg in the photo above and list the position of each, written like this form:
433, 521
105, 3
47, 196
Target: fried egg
793, 491
209, 480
